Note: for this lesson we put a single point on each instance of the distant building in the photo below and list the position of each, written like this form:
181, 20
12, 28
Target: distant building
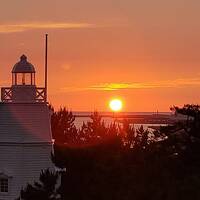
25, 131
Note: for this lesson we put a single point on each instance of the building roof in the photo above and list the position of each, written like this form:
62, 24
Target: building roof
24, 123
23, 66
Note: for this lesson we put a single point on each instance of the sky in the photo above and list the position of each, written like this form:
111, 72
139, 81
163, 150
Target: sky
143, 52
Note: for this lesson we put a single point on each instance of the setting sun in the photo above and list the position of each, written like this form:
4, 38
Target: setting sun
115, 105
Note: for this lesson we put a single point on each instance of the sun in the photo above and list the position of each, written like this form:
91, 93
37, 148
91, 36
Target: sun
115, 105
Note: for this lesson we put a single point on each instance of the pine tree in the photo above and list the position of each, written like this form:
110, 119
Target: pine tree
63, 128
45, 189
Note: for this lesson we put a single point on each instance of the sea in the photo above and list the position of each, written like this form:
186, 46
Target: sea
109, 117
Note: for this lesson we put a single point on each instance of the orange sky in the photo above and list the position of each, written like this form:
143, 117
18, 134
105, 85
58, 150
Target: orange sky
146, 52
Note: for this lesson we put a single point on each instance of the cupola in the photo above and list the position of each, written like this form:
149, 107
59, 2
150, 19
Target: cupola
23, 72
23, 89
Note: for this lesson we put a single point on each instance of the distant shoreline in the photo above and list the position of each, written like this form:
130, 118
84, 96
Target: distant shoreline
135, 118
122, 114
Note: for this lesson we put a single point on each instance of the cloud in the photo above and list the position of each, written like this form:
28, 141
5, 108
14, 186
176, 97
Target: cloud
73, 89
11, 28
110, 86
177, 83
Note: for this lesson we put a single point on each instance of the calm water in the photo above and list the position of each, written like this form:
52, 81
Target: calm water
109, 119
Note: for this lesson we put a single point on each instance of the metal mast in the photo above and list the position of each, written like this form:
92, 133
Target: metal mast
46, 65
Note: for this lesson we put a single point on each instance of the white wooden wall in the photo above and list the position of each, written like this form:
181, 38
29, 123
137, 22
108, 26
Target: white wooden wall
23, 164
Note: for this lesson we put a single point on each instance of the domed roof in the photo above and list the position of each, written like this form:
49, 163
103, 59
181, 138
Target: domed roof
23, 66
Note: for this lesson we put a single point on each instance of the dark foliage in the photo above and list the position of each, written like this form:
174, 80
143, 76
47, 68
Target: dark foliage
121, 163
43, 190
192, 125
63, 128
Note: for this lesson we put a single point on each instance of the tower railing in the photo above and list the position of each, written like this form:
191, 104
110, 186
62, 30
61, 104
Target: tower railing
7, 95
40, 94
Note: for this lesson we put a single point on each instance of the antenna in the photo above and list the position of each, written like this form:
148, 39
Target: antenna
46, 65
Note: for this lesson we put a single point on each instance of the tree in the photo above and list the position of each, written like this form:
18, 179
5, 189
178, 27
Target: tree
128, 134
121, 163
63, 129
142, 138
93, 131
45, 189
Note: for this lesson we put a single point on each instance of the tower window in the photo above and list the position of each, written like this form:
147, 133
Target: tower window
3, 185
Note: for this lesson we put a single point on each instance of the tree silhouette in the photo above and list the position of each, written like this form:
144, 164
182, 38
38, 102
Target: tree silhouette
121, 163
63, 128
45, 189
192, 125
93, 131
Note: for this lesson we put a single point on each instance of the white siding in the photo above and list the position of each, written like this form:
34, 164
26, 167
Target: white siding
24, 122
25, 144
24, 164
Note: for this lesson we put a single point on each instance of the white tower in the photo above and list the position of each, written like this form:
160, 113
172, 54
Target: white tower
25, 131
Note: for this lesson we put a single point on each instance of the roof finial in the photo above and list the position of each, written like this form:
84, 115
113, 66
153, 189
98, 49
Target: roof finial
23, 58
